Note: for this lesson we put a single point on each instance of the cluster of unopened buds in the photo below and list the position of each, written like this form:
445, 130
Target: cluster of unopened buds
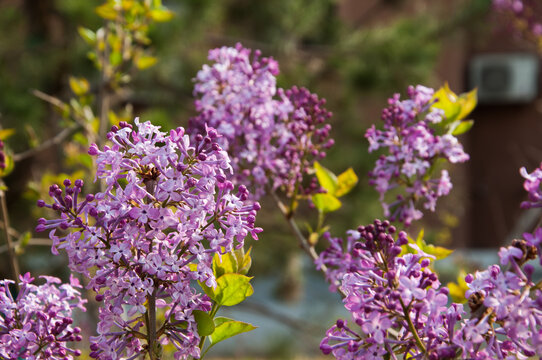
37, 324
399, 307
167, 206
413, 147
272, 135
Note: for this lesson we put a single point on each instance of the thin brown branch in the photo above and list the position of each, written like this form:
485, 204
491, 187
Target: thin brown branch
32, 242
303, 241
14, 264
56, 140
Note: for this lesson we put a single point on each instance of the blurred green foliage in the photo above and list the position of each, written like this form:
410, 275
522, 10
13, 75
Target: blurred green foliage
315, 48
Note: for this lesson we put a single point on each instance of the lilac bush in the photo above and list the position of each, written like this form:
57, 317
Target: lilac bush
413, 148
271, 134
167, 208
37, 324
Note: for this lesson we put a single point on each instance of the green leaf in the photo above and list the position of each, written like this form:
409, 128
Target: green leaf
224, 264
326, 178
79, 86
106, 11
161, 15
88, 35
115, 58
24, 239
346, 182
326, 203
226, 328
462, 127
205, 323
6, 133
232, 289
143, 62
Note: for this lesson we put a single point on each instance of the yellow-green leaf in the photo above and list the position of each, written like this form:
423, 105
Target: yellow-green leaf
468, 102
88, 35
106, 11
161, 15
79, 86
143, 62
224, 264
462, 127
115, 58
438, 252
232, 289
6, 133
447, 101
326, 203
226, 328
326, 178
245, 263
346, 182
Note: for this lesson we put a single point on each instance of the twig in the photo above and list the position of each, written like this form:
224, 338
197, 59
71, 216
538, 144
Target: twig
57, 139
294, 323
303, 242
35, 242
11, 254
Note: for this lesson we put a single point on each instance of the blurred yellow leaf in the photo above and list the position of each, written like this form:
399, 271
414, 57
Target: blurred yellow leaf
346, 182
6, 133
79, 86
143, 62
161, 15
106, 11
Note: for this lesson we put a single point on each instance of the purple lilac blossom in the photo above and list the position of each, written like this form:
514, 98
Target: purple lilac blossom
38, 323
525, 17
2, 156
399, 308
272, 135
413, 148
532, 186
166, 210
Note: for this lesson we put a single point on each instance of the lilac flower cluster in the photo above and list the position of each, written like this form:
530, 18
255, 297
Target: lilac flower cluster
272, 135
532, 185
413, 149
167, 206
399, 307
38, 323
525, 15
506, 306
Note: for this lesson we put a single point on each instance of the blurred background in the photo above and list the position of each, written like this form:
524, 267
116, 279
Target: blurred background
354, 53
